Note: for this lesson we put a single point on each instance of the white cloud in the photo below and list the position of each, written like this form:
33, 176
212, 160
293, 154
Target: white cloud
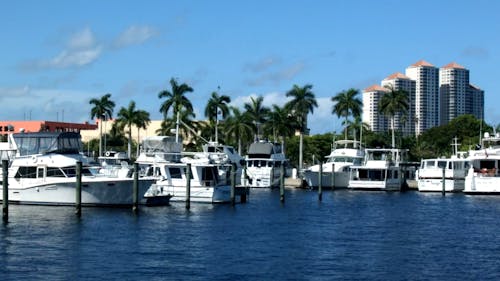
263, 64
51, 104
83, 39
285, 74
74, 58
81, 49
135, 35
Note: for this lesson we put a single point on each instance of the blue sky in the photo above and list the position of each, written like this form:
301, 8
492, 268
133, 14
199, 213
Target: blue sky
57, 55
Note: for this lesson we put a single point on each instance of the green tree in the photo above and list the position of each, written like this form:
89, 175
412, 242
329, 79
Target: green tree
142, 121
302, 103
131, 116
175, 99
347, 103
393, 103
257, 112
186, 126
102, 109
239, 126
216, 103
279, 123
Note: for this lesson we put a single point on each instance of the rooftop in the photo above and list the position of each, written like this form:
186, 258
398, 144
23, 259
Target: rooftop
453, 65
397, 75
375, 88
422, 63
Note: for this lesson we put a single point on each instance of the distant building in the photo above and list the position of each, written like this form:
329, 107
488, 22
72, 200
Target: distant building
371, 114
453, 90
426, 103
403, 123
436, 96
7, 127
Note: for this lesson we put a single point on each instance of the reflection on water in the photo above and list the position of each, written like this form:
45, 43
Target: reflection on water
348, 235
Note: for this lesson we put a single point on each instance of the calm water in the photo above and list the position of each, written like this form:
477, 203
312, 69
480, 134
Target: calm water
349, 235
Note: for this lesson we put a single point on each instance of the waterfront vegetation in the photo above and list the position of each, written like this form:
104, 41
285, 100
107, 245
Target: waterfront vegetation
286, 124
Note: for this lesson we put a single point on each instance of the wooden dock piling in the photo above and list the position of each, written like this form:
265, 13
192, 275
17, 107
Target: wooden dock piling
135, 195
78, 193
233, 182
443, 191
333, 176
320, 182
5, 186
282, 183
188, 186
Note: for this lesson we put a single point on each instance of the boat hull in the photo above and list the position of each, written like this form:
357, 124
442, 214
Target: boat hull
95, 192
198, 194
436, 185
341, 179
479, 184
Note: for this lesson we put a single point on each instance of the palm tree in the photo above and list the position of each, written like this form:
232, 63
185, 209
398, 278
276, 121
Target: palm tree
257, 112
393, 103
355, 125
142, 121
347, 103
131, 116
239, 125
103, 109
176, 99
185, 118
215, 103
303, 101
280, 123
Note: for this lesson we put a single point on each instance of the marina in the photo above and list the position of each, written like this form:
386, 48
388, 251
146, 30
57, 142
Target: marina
349, 235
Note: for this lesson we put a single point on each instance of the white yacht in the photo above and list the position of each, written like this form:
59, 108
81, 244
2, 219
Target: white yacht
113, 163
44, 172
162, 158
431, 172
205, 183
263, 164
381, 170
483, 176
344, 153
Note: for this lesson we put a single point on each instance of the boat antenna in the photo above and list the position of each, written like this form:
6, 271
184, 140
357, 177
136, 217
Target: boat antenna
455, 145
177, 128
481, 129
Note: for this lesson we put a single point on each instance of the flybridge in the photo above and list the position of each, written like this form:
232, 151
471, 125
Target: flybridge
48, 142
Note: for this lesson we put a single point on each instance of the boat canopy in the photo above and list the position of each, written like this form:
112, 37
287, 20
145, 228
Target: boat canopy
263, 149
48, 142
165, 144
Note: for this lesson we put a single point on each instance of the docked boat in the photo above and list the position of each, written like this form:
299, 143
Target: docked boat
205, 184
431, 173
483, 176
113, 163
43, 172
344, 154
162, 158
263, 164
381, 170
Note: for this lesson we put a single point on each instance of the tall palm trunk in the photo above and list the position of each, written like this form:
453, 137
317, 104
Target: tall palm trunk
345, 127
129, 141
100, 137
392, 126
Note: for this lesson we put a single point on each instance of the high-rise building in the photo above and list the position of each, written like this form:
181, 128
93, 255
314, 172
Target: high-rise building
436, 96
453, 88
403, 122
475, 102
426, 106
371, 114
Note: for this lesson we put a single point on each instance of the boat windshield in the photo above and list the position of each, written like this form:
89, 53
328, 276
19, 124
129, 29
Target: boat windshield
354, 160
42, 143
